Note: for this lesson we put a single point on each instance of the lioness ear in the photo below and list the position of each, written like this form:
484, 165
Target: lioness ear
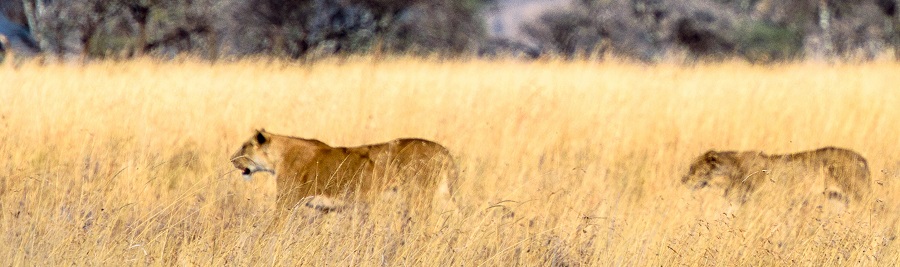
261, 137
712, 157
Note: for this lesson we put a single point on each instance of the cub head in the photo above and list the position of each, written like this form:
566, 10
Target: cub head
712, 168
253, 156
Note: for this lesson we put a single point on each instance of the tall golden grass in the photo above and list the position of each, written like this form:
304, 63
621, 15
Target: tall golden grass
562, 163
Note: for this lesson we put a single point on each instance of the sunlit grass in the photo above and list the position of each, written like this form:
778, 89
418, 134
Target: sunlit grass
566, 163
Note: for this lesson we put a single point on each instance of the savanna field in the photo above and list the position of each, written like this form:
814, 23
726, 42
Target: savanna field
562, 163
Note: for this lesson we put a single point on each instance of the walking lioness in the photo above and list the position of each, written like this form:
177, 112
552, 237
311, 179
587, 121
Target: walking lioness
839, 172
304, 168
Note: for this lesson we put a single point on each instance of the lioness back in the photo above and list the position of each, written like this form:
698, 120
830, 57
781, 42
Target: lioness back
418, 163
416, 169
841, 172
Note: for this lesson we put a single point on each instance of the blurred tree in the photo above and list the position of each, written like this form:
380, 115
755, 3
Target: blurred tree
308, 28
892, 9
140, 12
764, 42
825, 27
14, 27
642, 29
14, 12
830, 28
97, 28
181, 26
447, 27
16, 37
88, 17
277, 18
759, 30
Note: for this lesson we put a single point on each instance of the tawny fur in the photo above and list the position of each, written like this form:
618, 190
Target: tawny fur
844, 172
416, 169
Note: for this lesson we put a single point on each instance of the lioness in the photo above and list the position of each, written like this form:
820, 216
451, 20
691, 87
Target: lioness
742, 173
306, 169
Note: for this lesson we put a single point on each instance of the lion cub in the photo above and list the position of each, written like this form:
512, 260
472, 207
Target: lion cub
837, 172
312, 174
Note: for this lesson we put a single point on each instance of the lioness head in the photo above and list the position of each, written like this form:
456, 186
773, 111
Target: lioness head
253, 156
712, 168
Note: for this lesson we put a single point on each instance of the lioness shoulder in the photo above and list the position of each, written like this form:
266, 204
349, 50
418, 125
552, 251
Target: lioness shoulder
844, 171
418, 169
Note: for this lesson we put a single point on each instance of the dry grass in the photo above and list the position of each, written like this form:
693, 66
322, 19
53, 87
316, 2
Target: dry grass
563, 163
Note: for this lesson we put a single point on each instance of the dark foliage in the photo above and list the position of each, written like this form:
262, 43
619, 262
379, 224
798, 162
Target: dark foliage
647, 30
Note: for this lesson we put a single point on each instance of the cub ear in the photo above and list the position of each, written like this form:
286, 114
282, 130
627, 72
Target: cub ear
261, 137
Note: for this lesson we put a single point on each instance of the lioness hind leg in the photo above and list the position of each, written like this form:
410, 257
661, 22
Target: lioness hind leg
323, 204
443, 198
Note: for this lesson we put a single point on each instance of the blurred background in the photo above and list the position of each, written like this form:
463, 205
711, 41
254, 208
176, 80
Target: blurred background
643, 30
562, 162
